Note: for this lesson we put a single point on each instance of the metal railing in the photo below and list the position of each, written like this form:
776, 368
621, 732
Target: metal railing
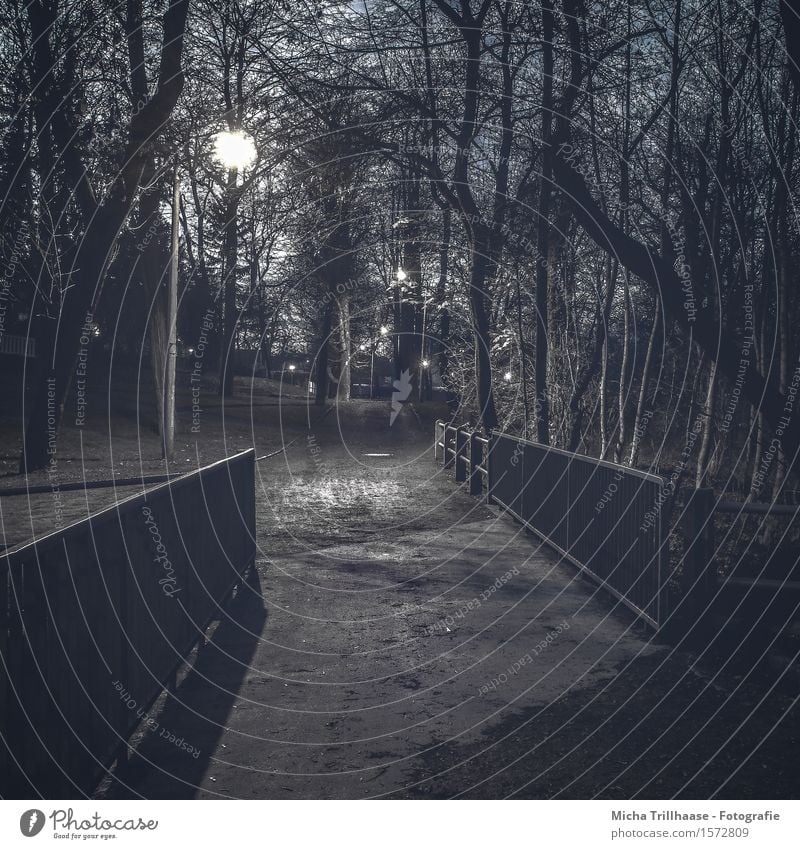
604, 518
97, 617
467, 452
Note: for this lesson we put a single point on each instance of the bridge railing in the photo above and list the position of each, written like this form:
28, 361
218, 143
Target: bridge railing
96, 618
607, 520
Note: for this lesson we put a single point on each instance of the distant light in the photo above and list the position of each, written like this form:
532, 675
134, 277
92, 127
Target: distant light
292, 367
235, 150
362, 347
425, 364
96, 331
401, 275
384, 330
379, 455
507, 376
190, 350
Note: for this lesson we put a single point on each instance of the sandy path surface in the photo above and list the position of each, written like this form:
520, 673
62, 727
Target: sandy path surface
399, 638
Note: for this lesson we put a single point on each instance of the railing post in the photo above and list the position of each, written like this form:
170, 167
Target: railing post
461, 443
447, 461
475, 458
436, 440
699, 566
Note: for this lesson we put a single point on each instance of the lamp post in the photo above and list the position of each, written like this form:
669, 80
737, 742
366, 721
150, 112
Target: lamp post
235, 151
168, 424
372, 372
384, 331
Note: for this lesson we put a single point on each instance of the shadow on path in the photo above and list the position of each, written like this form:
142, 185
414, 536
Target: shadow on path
198, 712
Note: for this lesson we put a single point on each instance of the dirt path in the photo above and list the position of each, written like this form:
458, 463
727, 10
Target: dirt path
401, 639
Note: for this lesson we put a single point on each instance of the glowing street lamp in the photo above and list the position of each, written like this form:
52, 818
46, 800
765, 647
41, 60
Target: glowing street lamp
425, 364
401, 275
234, 149
507, 377
384, 330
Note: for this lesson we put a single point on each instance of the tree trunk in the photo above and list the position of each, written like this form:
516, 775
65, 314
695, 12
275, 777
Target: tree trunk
598, 360
759, 347
441, 292
153, 266
605, 443
701, 478
542, 401
624, 198
783, 359
345, 346
612, 272
622, 393
321, 360
409, 291
638, 426
482, 337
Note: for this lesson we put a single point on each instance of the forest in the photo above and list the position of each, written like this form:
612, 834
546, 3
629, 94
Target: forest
580, 215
